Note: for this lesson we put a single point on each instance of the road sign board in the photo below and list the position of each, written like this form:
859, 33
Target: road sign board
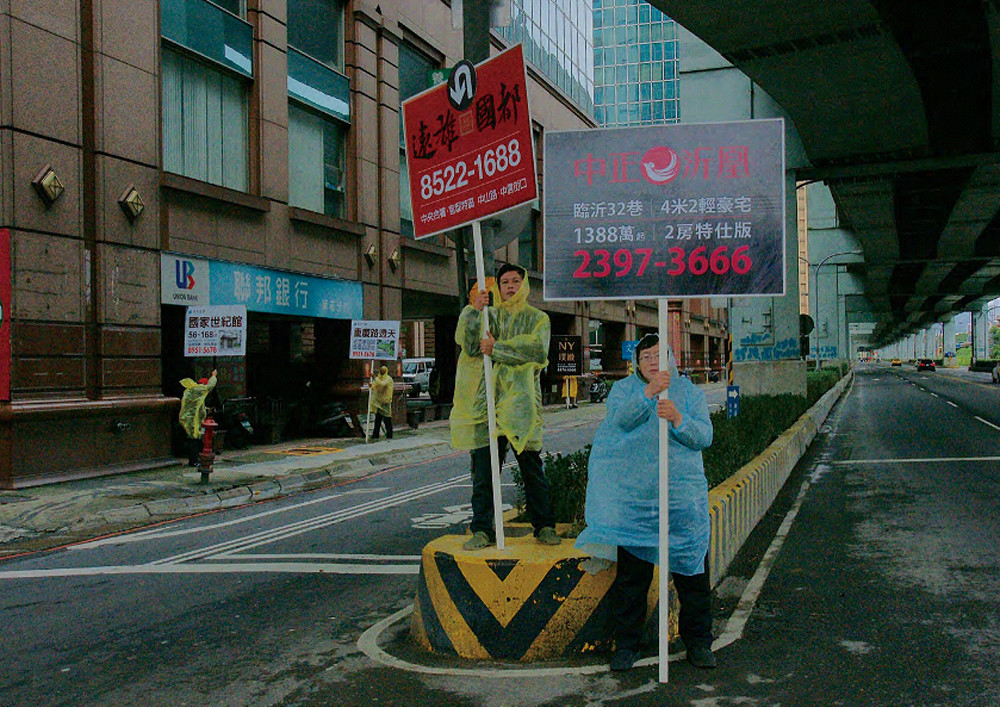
732, 401
468, 163
686, 210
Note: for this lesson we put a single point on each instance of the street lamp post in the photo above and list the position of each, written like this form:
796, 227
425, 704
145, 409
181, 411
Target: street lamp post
819, 358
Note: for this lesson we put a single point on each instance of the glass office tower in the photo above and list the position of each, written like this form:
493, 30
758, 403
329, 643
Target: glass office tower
635, 64
558, 39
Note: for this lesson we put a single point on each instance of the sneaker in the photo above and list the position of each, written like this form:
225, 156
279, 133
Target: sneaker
624, 659
701, 657
479, 540
548, 536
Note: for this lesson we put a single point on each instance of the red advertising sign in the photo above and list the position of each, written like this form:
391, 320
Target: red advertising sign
469, 146
5, 312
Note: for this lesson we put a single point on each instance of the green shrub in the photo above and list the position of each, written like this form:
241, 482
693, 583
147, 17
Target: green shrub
736, 441
567, 475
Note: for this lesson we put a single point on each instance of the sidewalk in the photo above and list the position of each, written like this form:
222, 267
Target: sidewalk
49, 516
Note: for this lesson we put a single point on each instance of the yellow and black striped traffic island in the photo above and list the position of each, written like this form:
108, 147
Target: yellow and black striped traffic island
528, 602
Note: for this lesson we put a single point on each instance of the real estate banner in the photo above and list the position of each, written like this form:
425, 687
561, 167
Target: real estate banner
686, 210
375, 339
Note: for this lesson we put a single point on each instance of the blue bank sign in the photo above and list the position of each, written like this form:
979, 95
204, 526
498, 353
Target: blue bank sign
190, 282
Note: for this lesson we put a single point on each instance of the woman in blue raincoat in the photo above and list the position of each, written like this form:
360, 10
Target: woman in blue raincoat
622, 510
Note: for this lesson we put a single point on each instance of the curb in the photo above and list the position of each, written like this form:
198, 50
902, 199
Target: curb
298, 481
737, 505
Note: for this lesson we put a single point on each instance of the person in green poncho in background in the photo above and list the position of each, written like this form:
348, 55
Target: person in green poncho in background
193, 413
382, 402
519, 345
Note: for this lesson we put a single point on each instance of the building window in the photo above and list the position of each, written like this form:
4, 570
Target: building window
319, 111
316, 28
207, 72
205, 122
414, 76
316, 151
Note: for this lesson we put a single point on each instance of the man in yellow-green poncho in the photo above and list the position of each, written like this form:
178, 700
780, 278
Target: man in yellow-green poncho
193, 413
518, 345
382, 402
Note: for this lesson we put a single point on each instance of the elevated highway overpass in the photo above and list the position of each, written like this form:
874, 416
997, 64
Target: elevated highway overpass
897, 106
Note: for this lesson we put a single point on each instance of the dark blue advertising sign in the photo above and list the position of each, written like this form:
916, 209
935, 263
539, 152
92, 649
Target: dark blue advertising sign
665, 211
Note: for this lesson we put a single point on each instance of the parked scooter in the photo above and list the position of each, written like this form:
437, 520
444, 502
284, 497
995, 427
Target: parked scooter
598, 390
234, 419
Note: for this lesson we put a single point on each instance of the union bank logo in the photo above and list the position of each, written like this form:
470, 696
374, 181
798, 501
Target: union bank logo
184, 274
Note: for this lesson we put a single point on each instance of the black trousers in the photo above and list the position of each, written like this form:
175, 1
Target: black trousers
193, 447
379, 419
536, 488
628, 603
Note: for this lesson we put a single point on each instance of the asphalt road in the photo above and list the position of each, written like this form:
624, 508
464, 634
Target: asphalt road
873, 581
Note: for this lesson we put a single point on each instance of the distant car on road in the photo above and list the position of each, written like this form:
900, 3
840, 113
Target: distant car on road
417, 373
896, 362
995, 373
926, 365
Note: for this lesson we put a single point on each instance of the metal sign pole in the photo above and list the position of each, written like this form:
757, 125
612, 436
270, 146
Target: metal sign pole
491, 409
664, 589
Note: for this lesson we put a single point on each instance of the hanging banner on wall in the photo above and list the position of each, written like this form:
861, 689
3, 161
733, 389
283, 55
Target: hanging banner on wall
375, 339
5, 313
685, 210
194, 281
219, 330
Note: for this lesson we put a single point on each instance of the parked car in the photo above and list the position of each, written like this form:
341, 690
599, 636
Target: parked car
896, 362
995, 373
417, 373
926, 365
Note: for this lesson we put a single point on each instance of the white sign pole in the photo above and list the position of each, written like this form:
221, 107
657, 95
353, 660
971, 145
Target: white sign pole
491, 409
664, 589
368, 413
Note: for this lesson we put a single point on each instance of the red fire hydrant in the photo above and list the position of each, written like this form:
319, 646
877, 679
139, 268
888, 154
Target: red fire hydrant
207, 455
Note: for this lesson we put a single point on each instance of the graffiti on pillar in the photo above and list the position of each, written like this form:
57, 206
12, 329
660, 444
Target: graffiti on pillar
828, 351
785, 349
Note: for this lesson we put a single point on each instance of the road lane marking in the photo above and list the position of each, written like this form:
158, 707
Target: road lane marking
368, 644
195, 568
319, 556
982, 420
953, 405
935, 395
917, 460
297, 528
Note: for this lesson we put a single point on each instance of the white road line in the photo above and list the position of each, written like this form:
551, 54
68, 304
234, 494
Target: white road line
299, 527
194, 568
368, 643
981, 420
953, 405
738, 619
916, 460
318, 556
935, 395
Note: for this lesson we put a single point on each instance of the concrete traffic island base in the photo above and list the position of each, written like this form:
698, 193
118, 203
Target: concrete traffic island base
528, 602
